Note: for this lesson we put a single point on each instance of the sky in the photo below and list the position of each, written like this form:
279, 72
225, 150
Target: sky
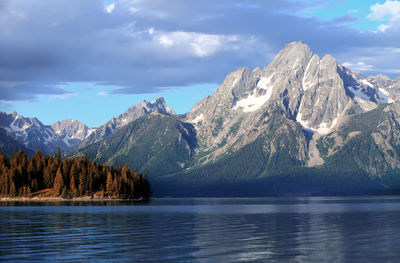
91, 60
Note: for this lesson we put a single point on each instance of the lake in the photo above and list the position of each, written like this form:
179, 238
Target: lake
306, 229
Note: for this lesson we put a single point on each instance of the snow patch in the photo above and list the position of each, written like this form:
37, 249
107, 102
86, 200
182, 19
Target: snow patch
169, 110
307, 84
198, 118
235, 82
325, 129
358, 93
366, 82
90, 131
322, 129
254, 102
384, 96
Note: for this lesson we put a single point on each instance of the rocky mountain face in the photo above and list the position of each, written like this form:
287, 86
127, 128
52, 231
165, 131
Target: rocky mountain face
32, 134
133, 113
315, 93
387, 87
72, 129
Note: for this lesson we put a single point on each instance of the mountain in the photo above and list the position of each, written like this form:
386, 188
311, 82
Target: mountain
309, 96
72, 129
155, 142
133, 113
31, 134
388, 87
304, 125
299, 125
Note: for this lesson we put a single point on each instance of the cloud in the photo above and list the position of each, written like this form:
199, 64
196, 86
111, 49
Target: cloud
110, 8
146, 46
390, 10
196, 44
63, 96
13, 90
359, 66
103, 93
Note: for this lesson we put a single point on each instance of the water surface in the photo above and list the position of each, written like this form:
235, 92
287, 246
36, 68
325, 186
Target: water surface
314, 229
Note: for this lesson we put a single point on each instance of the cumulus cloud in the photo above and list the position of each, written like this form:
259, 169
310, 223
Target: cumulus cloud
390, 10
196, 44
144, 46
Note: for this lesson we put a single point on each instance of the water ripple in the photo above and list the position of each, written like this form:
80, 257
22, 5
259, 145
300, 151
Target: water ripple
205, 230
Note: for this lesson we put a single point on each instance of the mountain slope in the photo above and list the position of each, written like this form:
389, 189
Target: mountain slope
368, 142
155, 142
133, 113
8, 144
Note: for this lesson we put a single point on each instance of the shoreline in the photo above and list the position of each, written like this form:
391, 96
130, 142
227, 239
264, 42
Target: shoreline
76, 199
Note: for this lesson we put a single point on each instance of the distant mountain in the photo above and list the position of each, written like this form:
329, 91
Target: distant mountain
133, 113
388, 87
72, 129
301, 115
32, 134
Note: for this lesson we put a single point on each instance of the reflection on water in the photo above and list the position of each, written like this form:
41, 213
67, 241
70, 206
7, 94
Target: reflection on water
319, 229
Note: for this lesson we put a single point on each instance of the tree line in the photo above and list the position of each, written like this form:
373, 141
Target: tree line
67, 178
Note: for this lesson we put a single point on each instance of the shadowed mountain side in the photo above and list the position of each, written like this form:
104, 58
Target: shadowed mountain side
155, 143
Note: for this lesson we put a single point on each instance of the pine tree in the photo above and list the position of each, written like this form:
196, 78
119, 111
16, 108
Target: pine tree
72, 187
58, 182
109, 184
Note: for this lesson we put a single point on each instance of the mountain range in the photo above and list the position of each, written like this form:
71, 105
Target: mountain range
301, 125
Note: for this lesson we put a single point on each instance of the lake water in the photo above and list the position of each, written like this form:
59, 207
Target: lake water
314, 229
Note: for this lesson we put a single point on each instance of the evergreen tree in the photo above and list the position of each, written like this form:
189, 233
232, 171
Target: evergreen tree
58, 182
72, 187
22, 176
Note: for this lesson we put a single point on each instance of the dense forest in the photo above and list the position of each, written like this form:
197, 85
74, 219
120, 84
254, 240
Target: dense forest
52, 176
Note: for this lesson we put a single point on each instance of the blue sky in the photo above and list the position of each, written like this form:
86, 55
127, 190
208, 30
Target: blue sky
92, 60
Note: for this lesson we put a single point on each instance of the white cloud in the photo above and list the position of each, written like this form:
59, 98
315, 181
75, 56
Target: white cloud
102, 93
63, 96
165, 40
383, 27
359, 66
110, 8
205, 45
198, 44
390, 10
